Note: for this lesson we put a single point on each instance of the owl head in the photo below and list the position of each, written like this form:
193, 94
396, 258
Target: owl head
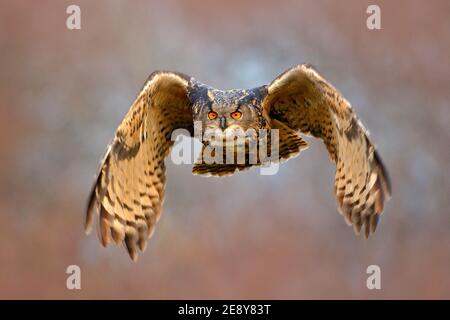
226, 115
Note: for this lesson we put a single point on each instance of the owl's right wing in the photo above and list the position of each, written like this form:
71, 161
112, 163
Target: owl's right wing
304, 101
129, 188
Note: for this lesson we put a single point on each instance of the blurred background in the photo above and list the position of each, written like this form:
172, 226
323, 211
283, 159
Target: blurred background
63, 93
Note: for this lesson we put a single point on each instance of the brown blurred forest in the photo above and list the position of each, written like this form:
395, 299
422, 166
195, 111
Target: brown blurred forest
248, 236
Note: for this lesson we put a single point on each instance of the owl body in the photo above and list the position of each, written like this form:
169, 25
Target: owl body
128, 191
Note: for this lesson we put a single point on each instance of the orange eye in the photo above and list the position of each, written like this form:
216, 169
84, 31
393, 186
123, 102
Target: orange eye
212, 115
236, 115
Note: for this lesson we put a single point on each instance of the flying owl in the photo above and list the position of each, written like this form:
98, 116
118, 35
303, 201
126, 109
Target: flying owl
128, 191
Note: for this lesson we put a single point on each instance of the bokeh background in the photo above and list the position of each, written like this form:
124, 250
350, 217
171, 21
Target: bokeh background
64, 92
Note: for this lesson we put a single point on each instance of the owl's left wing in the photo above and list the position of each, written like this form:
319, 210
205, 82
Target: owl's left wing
304, 101
129, 188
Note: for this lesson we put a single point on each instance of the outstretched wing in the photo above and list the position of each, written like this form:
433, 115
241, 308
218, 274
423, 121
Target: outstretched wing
305, 101
129, 188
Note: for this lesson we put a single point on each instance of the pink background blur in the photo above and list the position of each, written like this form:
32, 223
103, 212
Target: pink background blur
64, 92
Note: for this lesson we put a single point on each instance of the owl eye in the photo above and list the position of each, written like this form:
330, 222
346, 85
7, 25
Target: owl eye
236, 115
212, 115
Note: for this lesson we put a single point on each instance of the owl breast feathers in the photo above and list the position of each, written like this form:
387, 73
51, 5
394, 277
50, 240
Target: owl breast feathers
128, 191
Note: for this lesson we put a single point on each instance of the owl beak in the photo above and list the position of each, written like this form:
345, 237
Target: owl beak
223, 123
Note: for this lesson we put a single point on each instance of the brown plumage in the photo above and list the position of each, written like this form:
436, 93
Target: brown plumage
305, 101
129, 189
128, 192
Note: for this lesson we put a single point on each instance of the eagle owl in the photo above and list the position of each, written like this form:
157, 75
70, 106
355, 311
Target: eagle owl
128, 191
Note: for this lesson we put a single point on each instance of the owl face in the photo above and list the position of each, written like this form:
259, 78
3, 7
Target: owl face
228, 114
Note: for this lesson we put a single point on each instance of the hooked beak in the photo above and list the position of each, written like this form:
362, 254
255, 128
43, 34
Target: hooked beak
223, 123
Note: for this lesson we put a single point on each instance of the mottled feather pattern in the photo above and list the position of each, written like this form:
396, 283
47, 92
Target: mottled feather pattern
128, 191
303, 100
290, 145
